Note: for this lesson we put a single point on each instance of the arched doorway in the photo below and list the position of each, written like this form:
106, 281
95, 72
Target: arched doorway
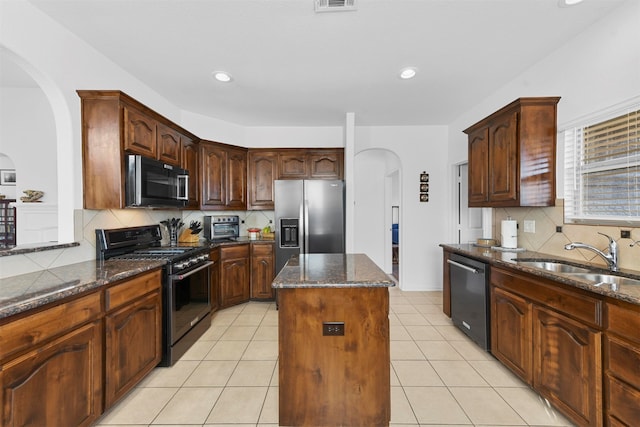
377, 191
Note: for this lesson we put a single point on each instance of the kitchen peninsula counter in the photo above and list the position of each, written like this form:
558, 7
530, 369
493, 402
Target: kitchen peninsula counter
333, 334
30, 291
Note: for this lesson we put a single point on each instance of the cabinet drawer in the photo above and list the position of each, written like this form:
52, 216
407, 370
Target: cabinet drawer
37, 328
551, 294
231, 252
623, 402
132, 289
260, 249
623, 360
623, 319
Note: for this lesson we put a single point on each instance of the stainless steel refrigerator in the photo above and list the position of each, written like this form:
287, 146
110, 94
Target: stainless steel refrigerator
309, 217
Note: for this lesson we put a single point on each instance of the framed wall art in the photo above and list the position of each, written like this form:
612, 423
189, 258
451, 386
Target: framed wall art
7, 177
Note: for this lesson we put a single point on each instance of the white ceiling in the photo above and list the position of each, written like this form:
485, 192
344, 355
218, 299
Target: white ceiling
294, 67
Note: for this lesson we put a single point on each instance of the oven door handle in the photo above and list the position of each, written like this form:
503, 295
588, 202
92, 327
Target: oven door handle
465, 267
195, 270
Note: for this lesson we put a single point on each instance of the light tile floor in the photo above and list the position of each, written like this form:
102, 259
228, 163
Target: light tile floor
438, 376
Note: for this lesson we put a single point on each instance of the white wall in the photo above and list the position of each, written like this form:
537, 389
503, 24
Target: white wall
28, 137
419, 148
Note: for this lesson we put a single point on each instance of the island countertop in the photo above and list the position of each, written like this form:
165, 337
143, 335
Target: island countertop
331, 270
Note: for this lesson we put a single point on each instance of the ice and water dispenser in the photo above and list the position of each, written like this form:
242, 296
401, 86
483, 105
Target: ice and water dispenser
289, 233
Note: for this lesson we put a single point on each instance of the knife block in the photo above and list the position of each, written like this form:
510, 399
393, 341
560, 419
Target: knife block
187, 237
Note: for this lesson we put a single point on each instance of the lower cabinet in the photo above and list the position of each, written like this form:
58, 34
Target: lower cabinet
550, 336
511, 332
262, 270
133, 327
234, 275
64, 365
567, 360
622, 364
56, 384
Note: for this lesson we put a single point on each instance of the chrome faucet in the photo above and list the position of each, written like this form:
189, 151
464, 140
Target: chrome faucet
611, 258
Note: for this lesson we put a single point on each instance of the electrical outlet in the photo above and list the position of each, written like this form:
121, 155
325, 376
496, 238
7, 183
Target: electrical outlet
529, 226
625, 234
332, 328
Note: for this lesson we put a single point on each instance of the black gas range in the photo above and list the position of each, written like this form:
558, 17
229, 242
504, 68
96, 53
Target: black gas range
186, 290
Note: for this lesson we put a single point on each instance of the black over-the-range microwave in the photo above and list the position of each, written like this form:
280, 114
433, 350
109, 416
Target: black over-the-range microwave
152, 183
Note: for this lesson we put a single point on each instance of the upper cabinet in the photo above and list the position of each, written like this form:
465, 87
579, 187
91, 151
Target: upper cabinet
224, 176
114, 124
267, 165
512, 155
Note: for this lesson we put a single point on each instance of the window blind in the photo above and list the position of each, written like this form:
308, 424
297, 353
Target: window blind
602, 170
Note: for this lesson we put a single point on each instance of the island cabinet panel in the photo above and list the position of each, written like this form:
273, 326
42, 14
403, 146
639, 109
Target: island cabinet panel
511, 332
262, 170
234, 275
512, 155
329, 380
567, 360
262, 270
56, 384
622, 363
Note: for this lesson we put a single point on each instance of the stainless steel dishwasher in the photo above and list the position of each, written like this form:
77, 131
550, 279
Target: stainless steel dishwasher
470, 298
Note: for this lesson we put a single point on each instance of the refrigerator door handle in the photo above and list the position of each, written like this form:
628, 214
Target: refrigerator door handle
305, 226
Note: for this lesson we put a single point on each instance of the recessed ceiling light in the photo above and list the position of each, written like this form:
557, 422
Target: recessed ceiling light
222, 76
408, 73
568, 3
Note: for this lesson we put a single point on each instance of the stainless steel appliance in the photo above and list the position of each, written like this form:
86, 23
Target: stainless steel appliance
470, 298
219, 227
309, 217
186, 299
151, 183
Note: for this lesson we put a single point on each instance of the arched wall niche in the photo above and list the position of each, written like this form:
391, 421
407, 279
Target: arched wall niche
60, 164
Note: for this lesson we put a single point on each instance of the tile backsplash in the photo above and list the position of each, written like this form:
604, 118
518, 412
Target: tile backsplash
548, 240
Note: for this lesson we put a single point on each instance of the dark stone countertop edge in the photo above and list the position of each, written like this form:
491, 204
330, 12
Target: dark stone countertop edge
72, 287
28, 249
376, 284
496, 258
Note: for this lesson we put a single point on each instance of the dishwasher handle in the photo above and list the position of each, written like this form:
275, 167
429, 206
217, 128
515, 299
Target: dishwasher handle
465, 267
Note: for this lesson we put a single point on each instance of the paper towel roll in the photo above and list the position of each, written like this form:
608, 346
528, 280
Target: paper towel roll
509, 233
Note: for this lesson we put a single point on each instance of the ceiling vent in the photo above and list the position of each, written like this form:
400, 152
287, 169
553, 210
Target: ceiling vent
335, 5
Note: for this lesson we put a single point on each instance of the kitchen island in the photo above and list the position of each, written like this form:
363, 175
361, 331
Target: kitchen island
333, 333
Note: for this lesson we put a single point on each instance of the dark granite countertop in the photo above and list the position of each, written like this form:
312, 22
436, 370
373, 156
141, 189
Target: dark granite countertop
629, 293
29, 291
36, 247
331, 270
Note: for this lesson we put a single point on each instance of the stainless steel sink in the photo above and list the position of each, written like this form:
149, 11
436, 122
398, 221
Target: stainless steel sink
600, 278
556, 267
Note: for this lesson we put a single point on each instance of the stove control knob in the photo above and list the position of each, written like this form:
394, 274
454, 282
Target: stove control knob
180, 266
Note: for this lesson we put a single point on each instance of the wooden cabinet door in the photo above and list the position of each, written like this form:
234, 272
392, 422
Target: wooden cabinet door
234, 275
236, 179
214, 257
293, 165
326, 165
479, 167
568, 369
189, 158
213, 161
56, 384
139, 133
168, 145
133, 345
503, 159
262, 270
262, 171
511, 332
